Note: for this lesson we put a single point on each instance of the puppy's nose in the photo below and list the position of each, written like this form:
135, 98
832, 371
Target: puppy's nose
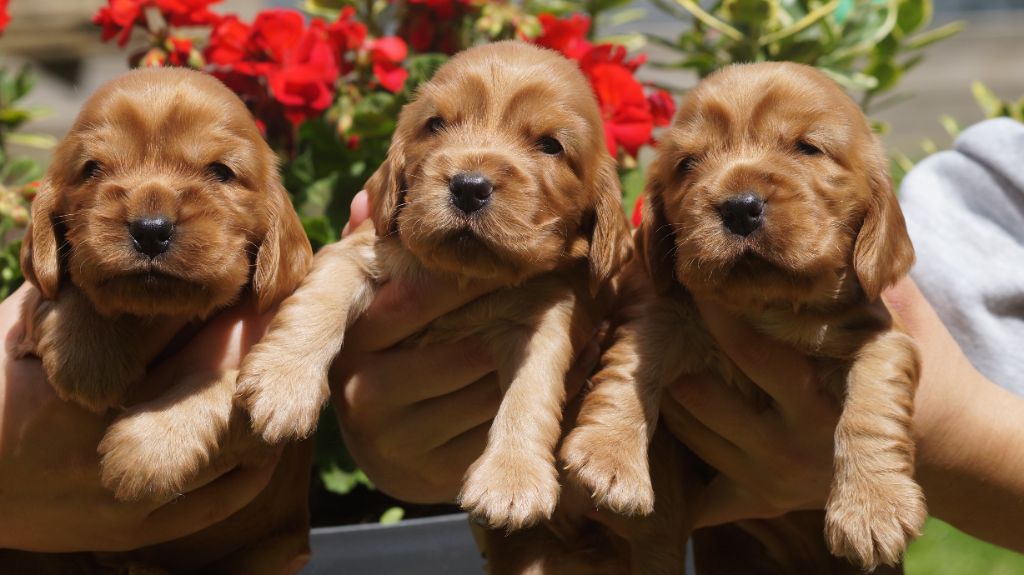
742, 214
151, 236
470, 191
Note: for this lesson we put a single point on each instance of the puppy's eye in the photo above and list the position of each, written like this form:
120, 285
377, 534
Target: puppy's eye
686, 165
808, 149
90, 170
435, 124
549, 146
220, 172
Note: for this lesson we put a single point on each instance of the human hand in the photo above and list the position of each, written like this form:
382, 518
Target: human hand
414, 418
778, 460
49, 470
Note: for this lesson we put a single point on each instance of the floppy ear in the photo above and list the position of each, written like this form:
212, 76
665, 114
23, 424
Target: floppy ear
285, 255
611, 244
40, 261
882, 253
655, 240
386, 187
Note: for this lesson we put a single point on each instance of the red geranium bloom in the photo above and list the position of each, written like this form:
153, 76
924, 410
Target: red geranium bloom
304, 82
663, 107
5, 18
275, 32
117, 19
188, 12
347, 33
229, 44
180, 52
387, 55
624, 108
638, 212
568, 36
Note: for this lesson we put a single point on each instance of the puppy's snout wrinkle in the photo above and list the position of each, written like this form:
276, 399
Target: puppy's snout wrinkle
742, 214
151, 235
470, 191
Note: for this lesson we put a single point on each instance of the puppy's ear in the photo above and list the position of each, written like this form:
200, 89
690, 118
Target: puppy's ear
655, 240
285, 255
883, 253
40, 261
611, 244
385, 188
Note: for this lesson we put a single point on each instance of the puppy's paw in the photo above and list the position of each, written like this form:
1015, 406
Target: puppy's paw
95, 390
146, 456
510, 490
283, 398
872, 523
612, 465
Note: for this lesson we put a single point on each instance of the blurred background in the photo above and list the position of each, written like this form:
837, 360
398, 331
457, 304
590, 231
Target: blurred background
59, 39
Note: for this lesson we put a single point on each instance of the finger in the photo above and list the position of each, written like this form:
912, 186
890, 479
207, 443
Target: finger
403, 308
439, 420
724, 411
714, 449
725, 502
454, 458
783, 373
358, 211
405, 375
211, 504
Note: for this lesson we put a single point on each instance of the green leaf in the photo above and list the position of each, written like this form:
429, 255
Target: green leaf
21, 171
842, 11
914, 15
950, 124
930, 37
40, 141
851, 80
632, 187
989, 102
392, 515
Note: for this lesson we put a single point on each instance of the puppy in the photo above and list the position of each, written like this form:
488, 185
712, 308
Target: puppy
498, 172
771, 196
162, 205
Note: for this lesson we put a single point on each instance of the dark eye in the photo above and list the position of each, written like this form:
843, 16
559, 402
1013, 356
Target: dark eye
221, 172
807, 148
686, 165
90, 170
435, 124
549, 146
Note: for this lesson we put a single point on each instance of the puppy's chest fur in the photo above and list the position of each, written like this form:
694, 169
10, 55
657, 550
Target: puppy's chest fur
831, 337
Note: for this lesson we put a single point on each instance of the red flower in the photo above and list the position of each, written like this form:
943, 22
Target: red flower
229, 44
624, 108
304, 81
347, 35
275, 32
118, 18
638, 212
444, 9
5, 18
568, 36
188, 12
387, 55
663, 107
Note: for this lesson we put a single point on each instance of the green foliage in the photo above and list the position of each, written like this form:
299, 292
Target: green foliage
865, 45
943, 550
17, 175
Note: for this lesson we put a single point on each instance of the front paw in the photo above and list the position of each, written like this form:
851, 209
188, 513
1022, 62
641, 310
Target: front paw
612, 465
145, 456
510, 490
282, 395
96, 392
871, 523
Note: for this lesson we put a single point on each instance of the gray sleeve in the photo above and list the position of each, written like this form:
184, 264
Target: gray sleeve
965, 213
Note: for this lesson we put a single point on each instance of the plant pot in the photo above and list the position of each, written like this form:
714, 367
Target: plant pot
429, 546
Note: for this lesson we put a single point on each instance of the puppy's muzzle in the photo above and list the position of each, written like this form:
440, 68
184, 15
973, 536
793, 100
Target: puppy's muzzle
151, 236
742, 214
470, 191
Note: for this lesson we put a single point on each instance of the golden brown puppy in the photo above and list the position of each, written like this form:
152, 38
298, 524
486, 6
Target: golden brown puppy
162, 205
771, 196
497, 171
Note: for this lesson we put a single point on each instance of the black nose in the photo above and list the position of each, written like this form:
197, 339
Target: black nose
742, 214
470, 191
151, 236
